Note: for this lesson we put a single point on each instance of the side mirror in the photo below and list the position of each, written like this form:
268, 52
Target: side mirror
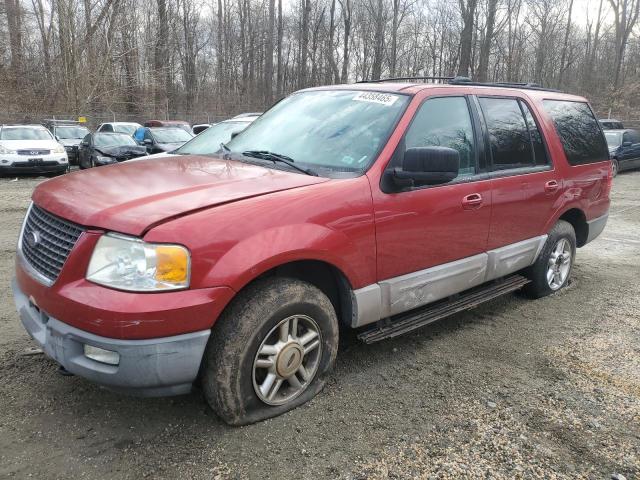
147, 141
427, 166
627, 144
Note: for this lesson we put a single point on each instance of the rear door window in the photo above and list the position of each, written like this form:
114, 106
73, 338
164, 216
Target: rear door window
539, 150
579, 131
509, 136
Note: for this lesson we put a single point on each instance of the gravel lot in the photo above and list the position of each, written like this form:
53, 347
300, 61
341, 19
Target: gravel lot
513, 389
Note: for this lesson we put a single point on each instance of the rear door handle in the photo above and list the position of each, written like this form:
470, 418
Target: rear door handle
472, 201
551, 186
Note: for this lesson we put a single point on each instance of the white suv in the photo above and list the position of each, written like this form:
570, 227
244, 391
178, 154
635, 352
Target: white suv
30, 149
118, 127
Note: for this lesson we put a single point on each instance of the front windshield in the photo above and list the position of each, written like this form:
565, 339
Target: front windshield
209, 141
170, 135
111, 140
71, 132
24, 133
127, 128
614, 139
336, 130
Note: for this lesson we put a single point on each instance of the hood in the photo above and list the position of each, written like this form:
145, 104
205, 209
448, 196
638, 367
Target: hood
169, 147
30, 144
155, 155
70, 142
133, 196
124, 151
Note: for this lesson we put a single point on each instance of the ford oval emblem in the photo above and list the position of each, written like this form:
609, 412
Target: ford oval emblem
33, 239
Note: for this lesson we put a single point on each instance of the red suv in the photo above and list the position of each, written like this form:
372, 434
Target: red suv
376, 205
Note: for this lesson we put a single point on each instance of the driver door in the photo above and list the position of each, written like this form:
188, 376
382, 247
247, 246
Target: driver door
431, 240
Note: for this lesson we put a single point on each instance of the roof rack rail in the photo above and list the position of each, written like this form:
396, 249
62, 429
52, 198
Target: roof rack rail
399, 79
525, 85
461, 80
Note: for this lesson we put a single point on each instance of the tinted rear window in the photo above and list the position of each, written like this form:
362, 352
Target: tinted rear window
579, 131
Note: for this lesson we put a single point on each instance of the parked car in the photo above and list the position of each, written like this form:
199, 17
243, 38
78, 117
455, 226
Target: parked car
118, 127
69, 134
169, 123
611, 124
624, 149
98, 149
161, 139
248, 114
201, 127
210, 141
30, 149
378, 206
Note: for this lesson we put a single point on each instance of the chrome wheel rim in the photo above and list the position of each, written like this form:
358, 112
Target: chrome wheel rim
614, 167
559, 264
287, 360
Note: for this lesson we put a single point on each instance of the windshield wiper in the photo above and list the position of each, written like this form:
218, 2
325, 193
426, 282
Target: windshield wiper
277, 157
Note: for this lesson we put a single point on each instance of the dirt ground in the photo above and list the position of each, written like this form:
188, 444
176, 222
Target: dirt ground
513, 389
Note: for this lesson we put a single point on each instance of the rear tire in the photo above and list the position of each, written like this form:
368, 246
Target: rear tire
615, 167
270, 350
552, 269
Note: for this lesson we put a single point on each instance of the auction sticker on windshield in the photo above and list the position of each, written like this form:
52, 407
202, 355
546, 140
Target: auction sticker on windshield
376, 97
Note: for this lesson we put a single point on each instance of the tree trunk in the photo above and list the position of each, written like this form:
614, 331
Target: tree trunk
485, 48
466, 36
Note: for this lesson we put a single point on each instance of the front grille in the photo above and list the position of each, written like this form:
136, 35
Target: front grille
33, 152
47, 241
39, 163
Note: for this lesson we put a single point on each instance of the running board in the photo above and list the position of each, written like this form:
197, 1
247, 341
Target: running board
407, 322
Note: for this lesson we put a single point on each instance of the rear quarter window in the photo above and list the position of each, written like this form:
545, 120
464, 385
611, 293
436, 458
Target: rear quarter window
578, 130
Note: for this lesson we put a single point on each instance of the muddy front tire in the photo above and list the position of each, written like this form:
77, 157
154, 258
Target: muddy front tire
270, 351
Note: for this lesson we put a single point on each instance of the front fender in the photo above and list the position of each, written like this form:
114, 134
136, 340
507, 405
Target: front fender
276, 246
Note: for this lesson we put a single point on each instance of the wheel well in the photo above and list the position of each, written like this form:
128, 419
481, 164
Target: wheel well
578, 220
330, 280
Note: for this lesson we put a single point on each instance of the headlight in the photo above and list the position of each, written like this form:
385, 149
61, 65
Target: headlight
128, 263
6, 151
59, 149
102, 159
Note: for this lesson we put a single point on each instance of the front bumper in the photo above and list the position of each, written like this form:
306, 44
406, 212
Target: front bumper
14, 164
154, 367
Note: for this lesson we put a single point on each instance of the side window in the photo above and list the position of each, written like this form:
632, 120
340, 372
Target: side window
445, 122
107, 127
626, 137
508, 133
579, 131
539, 151
86, 140
147, 135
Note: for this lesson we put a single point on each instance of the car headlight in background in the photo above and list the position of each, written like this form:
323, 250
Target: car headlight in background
102, 159
59, 149
128, 263
6, 151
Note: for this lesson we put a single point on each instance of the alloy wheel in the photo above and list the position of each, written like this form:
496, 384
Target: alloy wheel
287, 360
559, 264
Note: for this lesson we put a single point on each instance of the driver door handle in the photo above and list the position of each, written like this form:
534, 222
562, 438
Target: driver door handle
472, 201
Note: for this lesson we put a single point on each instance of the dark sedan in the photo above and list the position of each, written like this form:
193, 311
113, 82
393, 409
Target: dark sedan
624, 149
162, 139
105, 148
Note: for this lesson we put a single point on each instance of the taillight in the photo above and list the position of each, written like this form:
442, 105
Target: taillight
609, 180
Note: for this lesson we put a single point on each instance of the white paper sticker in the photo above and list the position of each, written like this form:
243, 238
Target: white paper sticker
376, 97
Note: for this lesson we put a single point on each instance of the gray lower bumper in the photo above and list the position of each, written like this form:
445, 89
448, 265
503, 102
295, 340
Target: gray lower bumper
596, 226
155, 367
